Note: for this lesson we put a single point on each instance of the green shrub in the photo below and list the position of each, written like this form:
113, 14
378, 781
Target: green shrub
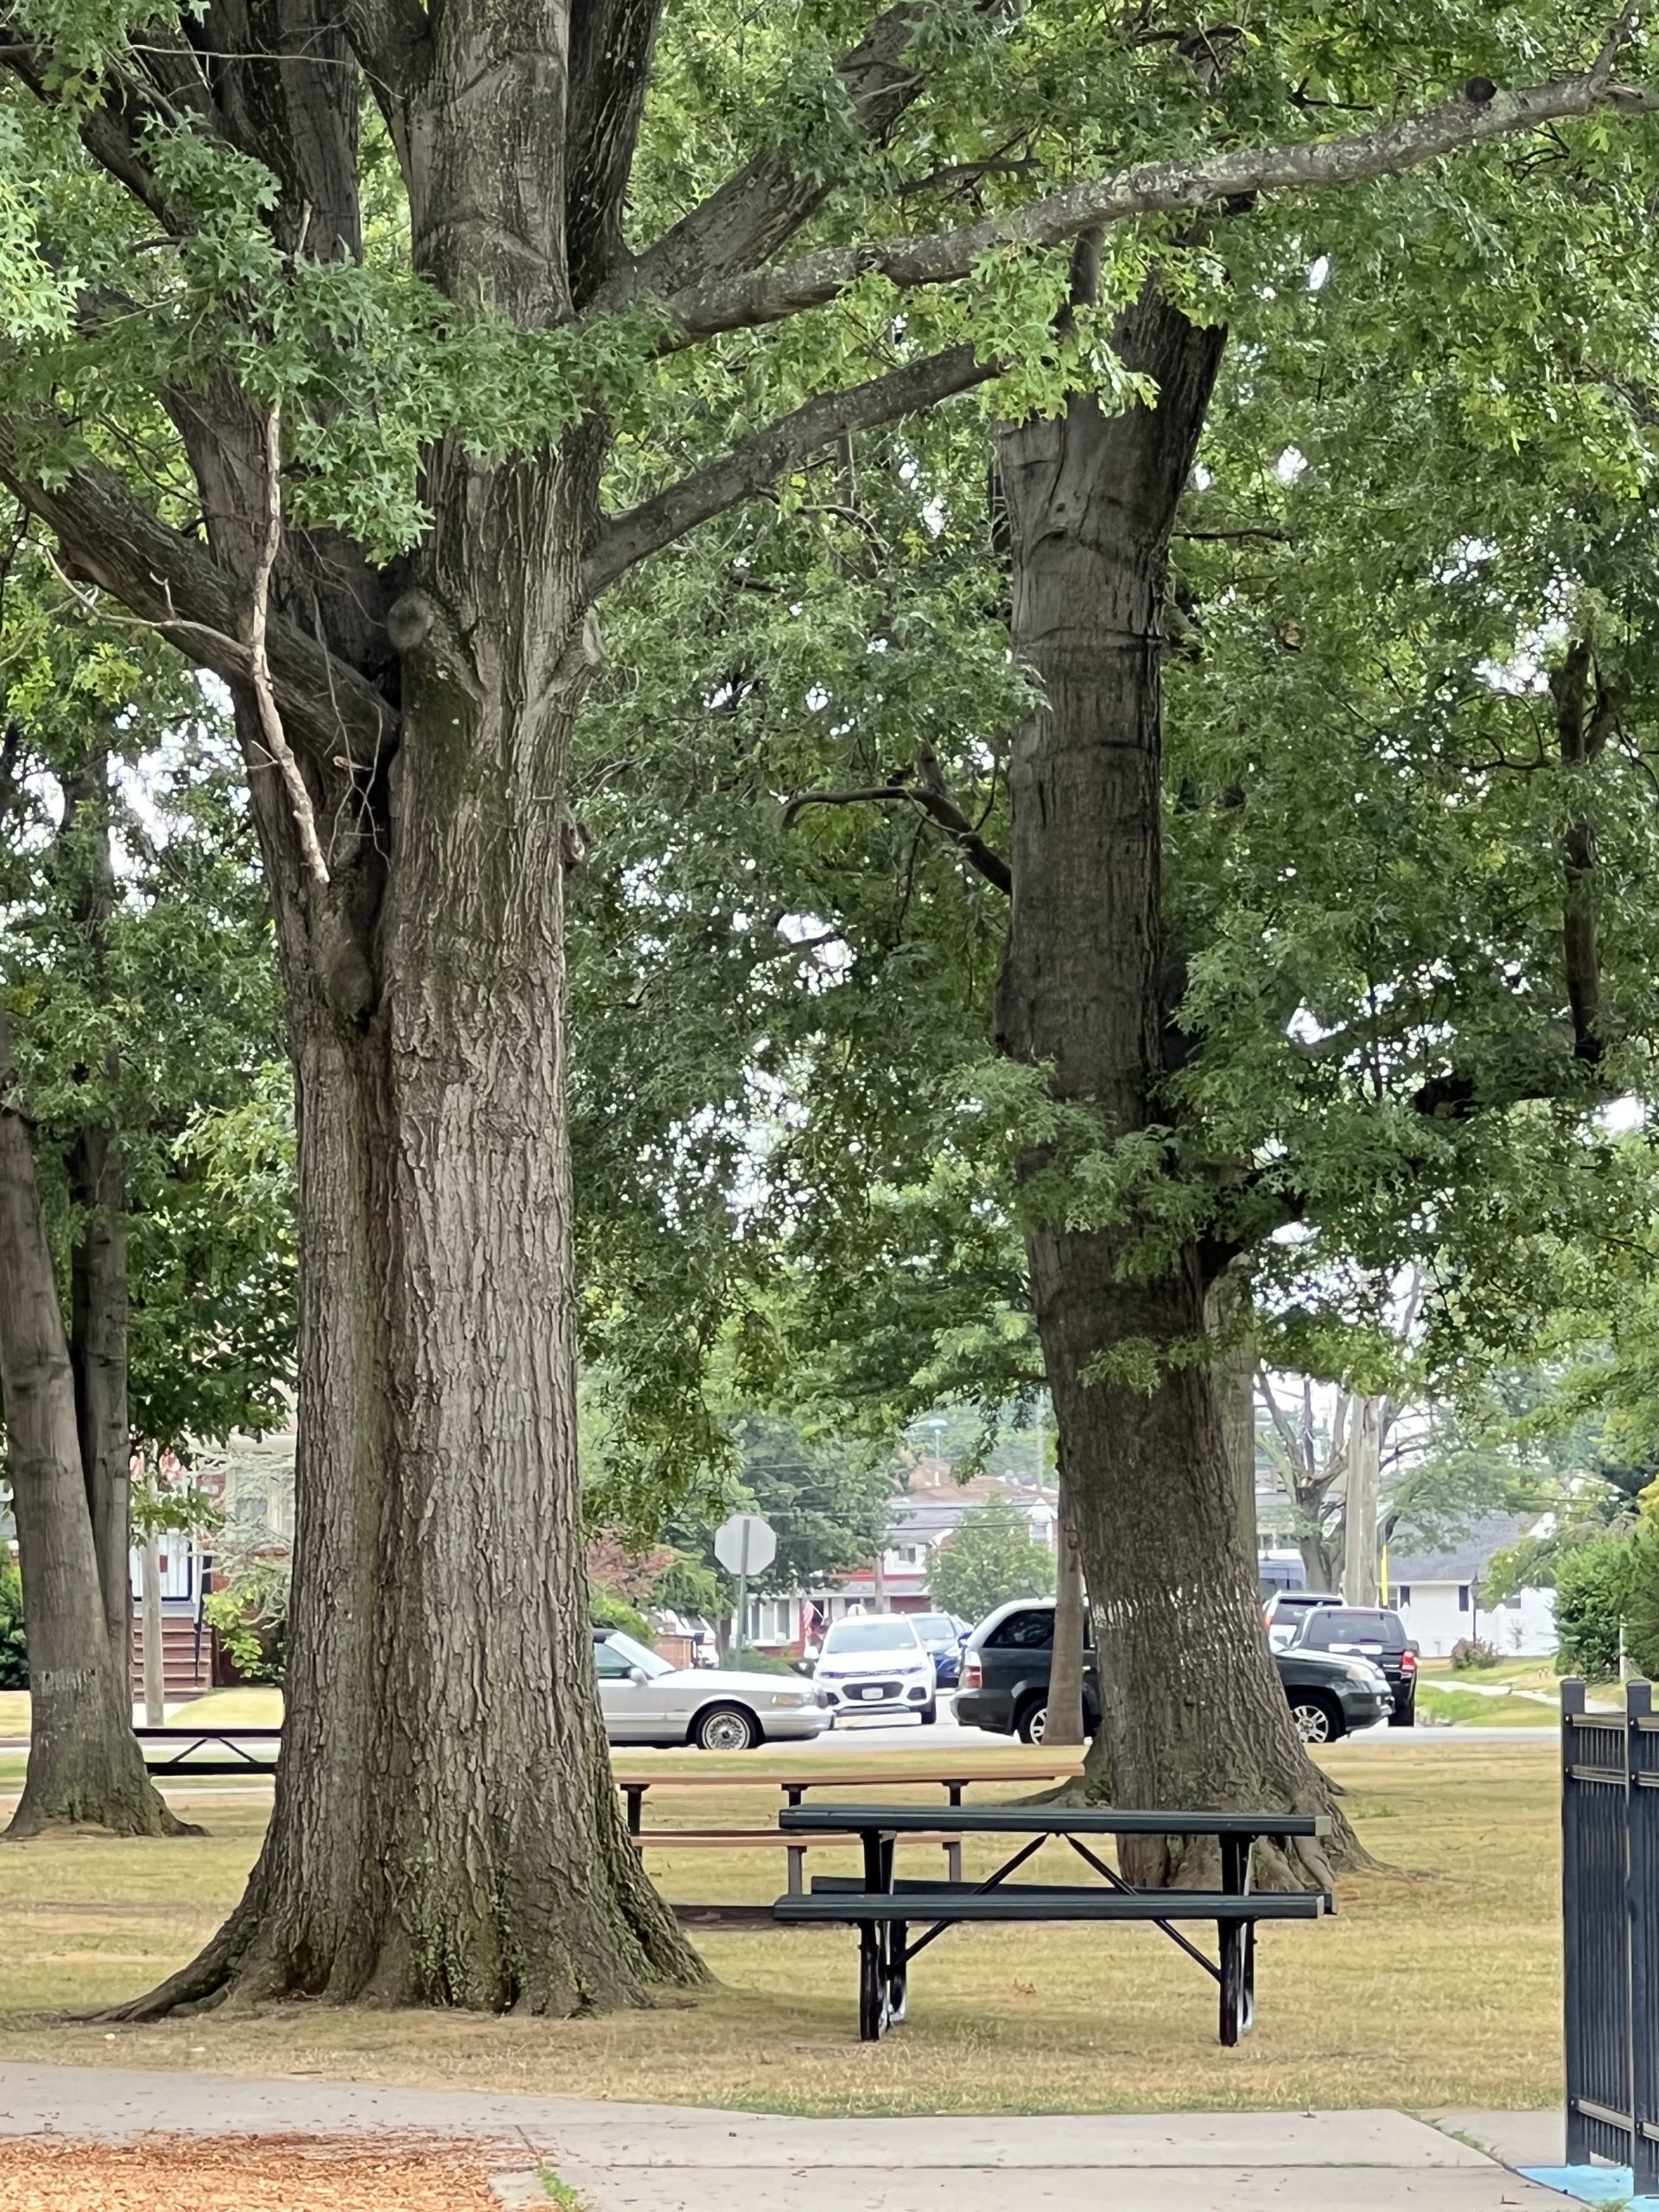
13, 1650
1642, 1601
1592, 1595
1470, 1652
250, 1618
607, 1610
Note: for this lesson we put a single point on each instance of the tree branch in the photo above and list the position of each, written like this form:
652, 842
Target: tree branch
754, 461
390, 39
930, 794
1582, 737
167, 581
111, 128
271, 719
745, 301
764, 204
611, 43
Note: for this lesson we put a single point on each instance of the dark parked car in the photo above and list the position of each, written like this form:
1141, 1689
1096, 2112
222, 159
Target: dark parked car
1366, 1632
1005, 1681
941, 1635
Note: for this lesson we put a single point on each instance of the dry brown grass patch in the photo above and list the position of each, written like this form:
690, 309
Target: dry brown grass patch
1423, 1993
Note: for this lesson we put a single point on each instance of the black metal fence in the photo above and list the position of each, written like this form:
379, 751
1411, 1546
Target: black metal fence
1610, 1901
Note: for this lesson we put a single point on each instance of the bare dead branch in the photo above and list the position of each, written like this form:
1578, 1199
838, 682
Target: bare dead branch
755, 297
168, 582
271, 719
752, 463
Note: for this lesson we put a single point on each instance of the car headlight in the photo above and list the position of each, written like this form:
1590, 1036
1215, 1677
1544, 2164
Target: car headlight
1358, 1671
792, 1697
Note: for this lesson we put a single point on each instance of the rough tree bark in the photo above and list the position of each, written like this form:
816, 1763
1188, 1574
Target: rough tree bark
84, 1766
98, 1262
1193, 1714
1062, 1723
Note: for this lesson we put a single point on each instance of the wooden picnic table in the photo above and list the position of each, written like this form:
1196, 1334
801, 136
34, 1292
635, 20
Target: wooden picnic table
882, 1908
893, 1772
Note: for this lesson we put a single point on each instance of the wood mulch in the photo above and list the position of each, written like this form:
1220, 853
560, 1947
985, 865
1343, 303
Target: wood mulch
171, 2173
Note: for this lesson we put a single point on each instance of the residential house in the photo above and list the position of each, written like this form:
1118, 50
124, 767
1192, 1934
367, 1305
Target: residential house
929, 1512
1438, 1593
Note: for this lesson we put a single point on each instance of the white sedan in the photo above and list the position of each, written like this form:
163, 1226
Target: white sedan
644, 1701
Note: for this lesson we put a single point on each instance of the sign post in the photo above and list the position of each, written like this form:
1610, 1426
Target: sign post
745, 1545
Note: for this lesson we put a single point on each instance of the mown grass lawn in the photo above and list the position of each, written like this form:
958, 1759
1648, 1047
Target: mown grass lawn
1437, 1984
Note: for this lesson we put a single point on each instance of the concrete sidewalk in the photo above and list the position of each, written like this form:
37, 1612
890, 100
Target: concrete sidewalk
685, 2159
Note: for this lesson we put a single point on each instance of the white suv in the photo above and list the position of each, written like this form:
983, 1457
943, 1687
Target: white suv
876, 1662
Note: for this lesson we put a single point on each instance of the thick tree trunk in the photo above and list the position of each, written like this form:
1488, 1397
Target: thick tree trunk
1228, 1321
1193, 1714
84, 1766
446, 1829
97, 1264
1063, 1721
98, 1355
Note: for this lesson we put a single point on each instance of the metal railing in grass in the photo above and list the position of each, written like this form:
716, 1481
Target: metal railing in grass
1610, 1922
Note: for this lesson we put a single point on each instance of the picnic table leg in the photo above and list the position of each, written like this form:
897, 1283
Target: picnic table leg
636, 1794
898, 1970
872, 1983
953, 1850
1231, 1947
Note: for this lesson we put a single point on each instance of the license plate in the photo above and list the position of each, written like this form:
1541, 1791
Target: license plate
870, 1690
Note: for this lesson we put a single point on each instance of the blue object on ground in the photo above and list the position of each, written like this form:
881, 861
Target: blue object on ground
1592, 2185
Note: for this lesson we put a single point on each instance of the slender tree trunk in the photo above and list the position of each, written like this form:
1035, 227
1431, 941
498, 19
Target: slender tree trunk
1192, 1711
98, 1355
155, 1638
84, 1766
98, 1267
1319, 1565
1064, 1722
1359, 1575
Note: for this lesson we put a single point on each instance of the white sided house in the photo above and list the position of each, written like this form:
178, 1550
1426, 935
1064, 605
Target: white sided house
1438, 1595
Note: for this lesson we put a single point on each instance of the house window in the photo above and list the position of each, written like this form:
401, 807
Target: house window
1463, 1597
1402, 1594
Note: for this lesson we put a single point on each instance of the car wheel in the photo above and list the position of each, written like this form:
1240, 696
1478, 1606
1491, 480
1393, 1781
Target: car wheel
1034, 1722
929, 1713
726, 1728
1405, 1716
1317, 1718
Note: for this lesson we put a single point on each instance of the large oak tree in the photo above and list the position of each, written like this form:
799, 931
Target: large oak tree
329, 403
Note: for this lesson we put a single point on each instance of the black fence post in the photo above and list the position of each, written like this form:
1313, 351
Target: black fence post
1577, 2134
1642, 1901
1608, 1916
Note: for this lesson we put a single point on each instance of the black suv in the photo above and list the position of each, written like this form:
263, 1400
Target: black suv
1005, 1681
1366, 1632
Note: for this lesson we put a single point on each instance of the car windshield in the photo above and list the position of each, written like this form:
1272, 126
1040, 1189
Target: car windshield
871, 1633
934, 1624
649, 1663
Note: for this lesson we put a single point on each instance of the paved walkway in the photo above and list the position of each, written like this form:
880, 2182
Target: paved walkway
682, 2158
